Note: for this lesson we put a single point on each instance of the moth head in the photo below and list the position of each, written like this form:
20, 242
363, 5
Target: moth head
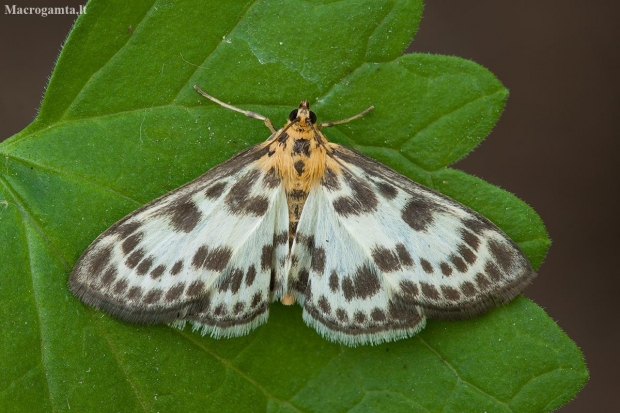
303, 116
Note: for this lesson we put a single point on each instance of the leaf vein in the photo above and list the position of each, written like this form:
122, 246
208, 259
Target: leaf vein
232, 367
458, 376
25, 213
197, 67
117, 357
75, 177
379, 24
443, 115
35, 297
96, 72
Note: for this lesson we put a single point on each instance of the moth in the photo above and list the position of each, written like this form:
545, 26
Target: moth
368, 253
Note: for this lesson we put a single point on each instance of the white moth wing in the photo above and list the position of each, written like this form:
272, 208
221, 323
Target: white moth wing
398, 250
342, 291
205, 253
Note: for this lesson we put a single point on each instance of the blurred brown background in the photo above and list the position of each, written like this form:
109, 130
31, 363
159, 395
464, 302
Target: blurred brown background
556, 145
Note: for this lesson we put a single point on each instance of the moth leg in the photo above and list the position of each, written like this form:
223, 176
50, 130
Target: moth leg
340, 122
247, 113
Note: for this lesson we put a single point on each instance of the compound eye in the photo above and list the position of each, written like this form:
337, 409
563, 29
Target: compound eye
312, 117
293, 115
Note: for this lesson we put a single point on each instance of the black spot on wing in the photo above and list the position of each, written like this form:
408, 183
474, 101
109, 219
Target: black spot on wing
280, 239
195, 289
152, 296
214, 259
408, 290
359, 317
134, 294
386, 259
492, 271
477, 226
134, 258
330, 180
348, 288
468, 255
403, 255
342, 315
426, 266
144, 266
468, 289
131, 242
232, 281
98, 260
363, 284
124, 229
175, 292
271, 179
200, 256
317, 262
366, 282
218, 258
362, 200
458, 263
377, 315
419, 213
109, 276
446, 269
504, 255
215, 191
482, 282
257, 205
158, 272
120, 286
429, 291
220, 311
334, 282
324, 305
238, 200
470, 239
450, 293
250, 276
176, 268
391, 260
238, 307
386, 189
266, 257
257, 298
308, 241
301, 283
183, 214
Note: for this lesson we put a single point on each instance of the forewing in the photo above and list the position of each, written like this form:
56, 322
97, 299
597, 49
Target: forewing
376, 253
434, 252
203, 252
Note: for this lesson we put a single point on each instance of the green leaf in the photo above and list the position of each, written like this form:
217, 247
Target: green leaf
120, 125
